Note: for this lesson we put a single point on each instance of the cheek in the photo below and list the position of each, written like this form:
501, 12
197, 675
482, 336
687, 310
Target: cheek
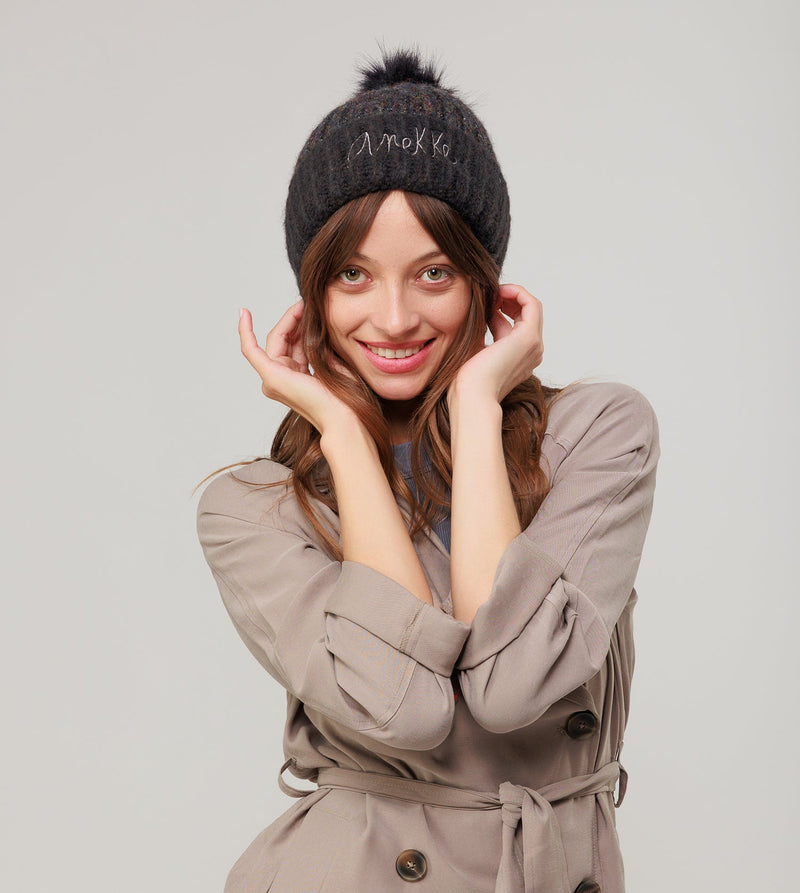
457, 316
334, 322
339, 324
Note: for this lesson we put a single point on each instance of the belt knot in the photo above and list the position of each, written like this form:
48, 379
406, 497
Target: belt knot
533, 858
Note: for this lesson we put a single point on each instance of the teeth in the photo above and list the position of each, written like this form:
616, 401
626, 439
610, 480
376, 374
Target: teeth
395, 354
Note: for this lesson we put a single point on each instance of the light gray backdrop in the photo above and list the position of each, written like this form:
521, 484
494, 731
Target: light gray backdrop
651, 151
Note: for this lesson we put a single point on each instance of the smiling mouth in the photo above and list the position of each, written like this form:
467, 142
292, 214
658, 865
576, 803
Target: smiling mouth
397, 354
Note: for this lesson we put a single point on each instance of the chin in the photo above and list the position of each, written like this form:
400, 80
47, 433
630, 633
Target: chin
399, 394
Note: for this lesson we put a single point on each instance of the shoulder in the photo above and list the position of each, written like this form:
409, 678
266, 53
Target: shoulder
258, 496
248, 491
616, 414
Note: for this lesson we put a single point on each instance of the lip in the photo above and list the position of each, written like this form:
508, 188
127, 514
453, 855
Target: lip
402, 364
396, 345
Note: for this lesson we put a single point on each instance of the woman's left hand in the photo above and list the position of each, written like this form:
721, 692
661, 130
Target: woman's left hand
516, 351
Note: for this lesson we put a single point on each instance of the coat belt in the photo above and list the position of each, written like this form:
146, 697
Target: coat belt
532, 858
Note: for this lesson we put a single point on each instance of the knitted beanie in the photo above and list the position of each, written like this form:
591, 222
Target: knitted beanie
401, 130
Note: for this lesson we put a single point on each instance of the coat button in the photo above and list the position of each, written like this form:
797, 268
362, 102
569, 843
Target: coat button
588, 887
581, 725
411, 865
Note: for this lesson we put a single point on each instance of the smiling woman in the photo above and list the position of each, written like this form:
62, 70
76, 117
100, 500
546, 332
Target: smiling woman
437, 559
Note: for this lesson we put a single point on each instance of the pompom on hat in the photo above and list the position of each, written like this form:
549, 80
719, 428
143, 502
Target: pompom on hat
401, 130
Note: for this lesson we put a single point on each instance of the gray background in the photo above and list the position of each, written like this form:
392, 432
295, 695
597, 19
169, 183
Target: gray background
651, 152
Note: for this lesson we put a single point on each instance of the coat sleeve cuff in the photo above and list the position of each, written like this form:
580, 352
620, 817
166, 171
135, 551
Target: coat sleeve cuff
393, 614
525, 576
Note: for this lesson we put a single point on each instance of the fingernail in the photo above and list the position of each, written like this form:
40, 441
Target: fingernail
241, 312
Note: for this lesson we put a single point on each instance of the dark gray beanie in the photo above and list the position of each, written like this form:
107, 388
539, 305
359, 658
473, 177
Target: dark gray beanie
401, 130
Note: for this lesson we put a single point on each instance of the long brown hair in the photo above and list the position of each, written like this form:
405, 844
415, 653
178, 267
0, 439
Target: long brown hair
297, 443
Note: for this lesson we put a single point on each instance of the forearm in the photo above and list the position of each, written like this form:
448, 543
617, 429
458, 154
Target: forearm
373, 530
483, 517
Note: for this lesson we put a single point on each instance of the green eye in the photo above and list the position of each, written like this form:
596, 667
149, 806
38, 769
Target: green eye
350, 274
435, 274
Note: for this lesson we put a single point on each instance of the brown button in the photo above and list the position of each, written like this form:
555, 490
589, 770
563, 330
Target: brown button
411, 865
588, 887
581, 725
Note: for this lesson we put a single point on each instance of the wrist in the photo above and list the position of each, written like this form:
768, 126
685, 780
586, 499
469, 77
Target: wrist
344, 436
473, 397
475, 424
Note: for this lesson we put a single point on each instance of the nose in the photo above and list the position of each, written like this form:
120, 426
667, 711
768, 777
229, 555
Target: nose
395, 313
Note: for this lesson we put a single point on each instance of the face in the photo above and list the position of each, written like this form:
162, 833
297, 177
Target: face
398, 304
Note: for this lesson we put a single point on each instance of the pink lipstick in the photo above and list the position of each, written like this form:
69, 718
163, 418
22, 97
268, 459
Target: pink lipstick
397, 364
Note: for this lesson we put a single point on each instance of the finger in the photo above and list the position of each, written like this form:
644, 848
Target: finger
510, 290
511, 300
247, 337
516, 294
499, 326
510, 308
517, 302
282, 337
249, 343
299, 357
298, 353
529, 313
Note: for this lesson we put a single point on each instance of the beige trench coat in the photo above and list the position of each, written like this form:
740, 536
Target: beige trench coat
463, 759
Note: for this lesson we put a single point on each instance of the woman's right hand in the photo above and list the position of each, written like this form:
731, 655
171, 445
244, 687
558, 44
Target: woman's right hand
372, 528
283, 368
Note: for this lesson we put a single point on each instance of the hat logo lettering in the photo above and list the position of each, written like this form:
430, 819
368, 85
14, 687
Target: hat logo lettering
388, 143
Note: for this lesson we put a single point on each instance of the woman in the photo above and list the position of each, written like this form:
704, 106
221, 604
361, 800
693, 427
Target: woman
437, 561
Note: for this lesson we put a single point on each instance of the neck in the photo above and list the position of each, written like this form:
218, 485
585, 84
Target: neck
398, 414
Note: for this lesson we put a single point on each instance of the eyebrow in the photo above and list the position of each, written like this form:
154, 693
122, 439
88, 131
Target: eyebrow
418, 260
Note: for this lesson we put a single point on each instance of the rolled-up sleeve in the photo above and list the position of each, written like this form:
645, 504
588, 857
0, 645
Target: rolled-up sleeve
341, 637
561, 585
